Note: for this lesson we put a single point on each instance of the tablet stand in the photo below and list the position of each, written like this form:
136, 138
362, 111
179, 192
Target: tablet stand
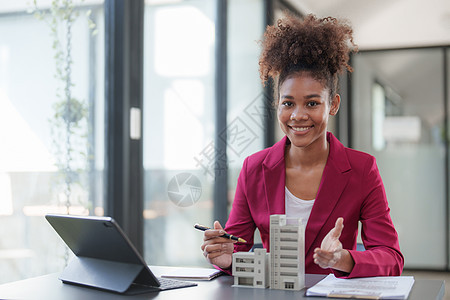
103, 274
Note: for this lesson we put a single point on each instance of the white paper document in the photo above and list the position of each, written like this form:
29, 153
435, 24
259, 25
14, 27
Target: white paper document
192, 273
389, 287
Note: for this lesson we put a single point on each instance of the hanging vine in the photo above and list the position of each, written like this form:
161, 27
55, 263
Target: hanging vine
69, 123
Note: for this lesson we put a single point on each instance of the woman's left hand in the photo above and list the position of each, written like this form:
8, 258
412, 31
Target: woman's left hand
330, 254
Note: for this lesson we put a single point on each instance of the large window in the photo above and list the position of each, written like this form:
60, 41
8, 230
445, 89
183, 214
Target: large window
32, 182
181, 156
249, 106
178, 129
180, 138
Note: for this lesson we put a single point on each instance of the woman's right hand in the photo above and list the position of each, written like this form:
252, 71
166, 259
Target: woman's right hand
217, 250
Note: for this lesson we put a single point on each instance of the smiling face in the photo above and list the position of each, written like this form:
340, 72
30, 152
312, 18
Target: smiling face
303, 109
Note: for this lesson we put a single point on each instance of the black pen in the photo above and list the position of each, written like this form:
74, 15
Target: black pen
226, 235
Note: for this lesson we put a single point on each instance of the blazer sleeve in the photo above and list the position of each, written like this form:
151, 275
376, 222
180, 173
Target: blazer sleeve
240, 221
382, 256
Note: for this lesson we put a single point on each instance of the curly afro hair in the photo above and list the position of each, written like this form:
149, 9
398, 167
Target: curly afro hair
318, 46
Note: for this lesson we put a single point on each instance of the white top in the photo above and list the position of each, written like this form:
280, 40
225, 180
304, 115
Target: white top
297, 208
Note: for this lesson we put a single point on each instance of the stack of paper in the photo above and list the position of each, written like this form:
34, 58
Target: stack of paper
193, 273
389, 287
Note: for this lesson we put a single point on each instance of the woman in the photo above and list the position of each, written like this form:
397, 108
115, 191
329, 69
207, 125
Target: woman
309, 174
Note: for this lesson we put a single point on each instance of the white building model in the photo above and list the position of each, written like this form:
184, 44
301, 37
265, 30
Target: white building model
287, 259
287, 254
251, 269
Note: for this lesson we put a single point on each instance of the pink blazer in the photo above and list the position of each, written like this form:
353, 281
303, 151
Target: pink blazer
351, 187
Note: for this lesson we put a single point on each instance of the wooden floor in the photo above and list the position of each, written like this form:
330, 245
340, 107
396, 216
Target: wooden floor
432, 275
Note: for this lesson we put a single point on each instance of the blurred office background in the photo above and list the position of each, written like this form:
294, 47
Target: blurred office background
173, 104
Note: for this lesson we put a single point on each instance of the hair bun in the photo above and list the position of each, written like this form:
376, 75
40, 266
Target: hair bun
314, 44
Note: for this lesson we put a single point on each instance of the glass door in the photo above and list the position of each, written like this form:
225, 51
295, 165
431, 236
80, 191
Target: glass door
398, 106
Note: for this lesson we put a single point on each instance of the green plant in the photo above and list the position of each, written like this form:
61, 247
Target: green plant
69, 123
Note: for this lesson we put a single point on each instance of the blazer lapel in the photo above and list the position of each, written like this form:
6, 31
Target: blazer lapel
334, 180
275, 178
